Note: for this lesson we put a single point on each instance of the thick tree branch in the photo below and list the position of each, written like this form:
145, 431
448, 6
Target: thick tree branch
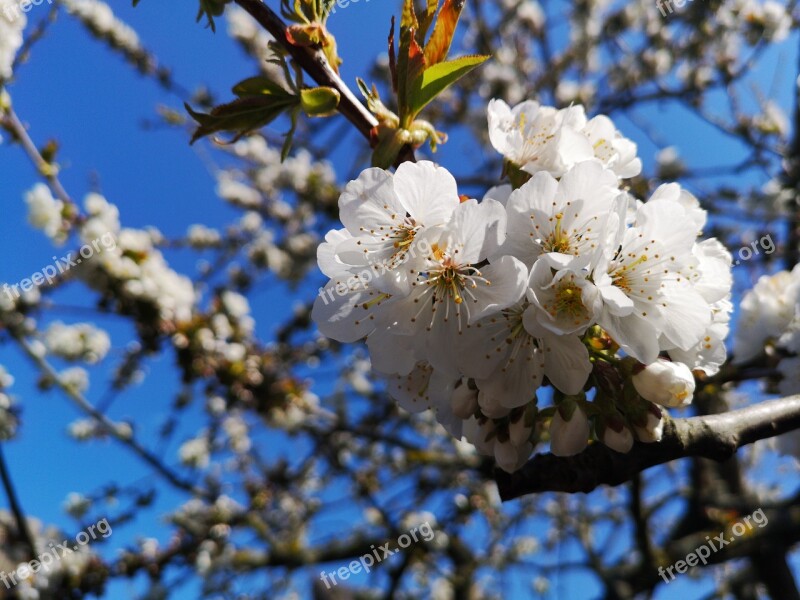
713, 436
773, 569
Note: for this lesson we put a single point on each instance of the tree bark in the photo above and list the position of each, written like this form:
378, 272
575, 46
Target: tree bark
713, 436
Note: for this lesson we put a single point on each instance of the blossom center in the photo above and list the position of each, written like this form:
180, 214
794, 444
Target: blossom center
558, 240
569, 300
404, 233
622, 274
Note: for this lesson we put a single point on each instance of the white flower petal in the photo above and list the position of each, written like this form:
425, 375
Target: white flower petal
427, 191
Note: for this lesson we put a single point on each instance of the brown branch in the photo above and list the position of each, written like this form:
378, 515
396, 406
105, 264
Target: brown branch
12, 123
792, 181
16, 508
774, 571
108, 426
314, 62
777, 534
717, 437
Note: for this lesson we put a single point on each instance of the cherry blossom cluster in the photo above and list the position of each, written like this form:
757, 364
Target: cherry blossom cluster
769, 320
471, 307
769, 331
12, 23
52, 578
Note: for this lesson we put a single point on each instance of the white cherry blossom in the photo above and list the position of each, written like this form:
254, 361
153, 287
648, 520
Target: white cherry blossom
766, 312
449, 292
566, 217
539, 138
542, 138
566, 300
646, 297
470, 309
614, 150
12, 23
652, 427
384, 214
618, 437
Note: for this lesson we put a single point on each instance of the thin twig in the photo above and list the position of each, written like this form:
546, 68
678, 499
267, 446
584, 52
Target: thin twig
11, 122
108, 426
16, 508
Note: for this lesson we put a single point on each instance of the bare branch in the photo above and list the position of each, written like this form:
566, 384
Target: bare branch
108, 427
12, 123
16, 508
792, 177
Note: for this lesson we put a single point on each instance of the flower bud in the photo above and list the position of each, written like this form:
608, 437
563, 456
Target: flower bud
652, 428
519, 432
464, 401
510, 457
617, 436
478, 433
568, 437
491, 407
666, 383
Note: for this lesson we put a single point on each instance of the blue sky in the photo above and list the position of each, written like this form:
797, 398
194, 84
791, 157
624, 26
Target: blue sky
74, 90
77, 91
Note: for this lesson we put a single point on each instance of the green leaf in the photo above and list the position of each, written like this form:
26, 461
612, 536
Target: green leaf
259, 86
307, 35
319, 101
209, 8
408, 19
327, 8
437, 78
287, 143
410, 60
240, 116
392, 58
